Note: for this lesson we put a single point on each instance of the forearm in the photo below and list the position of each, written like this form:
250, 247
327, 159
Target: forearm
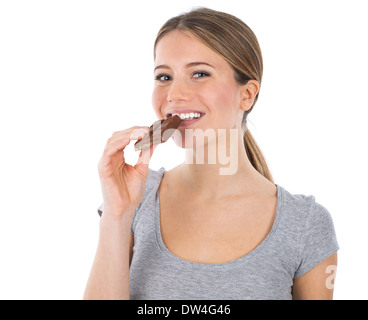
109, 277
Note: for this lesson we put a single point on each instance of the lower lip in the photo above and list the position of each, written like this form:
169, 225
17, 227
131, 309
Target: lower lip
186, 123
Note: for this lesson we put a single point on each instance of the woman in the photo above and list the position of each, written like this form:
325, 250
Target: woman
199, 232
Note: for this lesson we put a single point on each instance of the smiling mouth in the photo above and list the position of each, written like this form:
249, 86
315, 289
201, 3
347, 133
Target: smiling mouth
188, 116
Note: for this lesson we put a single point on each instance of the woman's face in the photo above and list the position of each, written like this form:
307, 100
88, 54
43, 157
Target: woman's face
192, 78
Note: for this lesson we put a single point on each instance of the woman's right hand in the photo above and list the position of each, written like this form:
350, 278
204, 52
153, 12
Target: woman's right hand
123, 185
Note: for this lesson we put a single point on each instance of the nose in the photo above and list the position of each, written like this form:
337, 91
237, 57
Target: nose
178, 91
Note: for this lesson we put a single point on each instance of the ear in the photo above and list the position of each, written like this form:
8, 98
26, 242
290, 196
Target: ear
248, 94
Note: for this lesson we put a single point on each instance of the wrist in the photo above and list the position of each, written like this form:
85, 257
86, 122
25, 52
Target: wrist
121, 220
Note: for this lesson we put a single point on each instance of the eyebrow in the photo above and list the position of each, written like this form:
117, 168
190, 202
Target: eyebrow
191, 64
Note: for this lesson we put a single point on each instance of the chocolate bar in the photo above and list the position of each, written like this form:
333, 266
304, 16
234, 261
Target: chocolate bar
159, 132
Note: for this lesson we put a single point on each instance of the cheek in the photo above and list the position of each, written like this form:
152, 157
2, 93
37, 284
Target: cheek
222, 97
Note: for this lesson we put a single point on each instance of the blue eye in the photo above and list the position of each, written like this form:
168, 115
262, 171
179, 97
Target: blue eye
200, 74
165, 77
162, 77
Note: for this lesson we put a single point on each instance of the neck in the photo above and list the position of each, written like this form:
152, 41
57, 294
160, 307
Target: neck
219, 168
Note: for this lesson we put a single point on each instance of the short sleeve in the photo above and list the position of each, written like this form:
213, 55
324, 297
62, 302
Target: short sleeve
318, 240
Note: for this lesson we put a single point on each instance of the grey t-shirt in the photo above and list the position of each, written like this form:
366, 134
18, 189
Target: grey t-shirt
302, 236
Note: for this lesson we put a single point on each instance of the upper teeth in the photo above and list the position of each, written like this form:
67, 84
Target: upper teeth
188, 116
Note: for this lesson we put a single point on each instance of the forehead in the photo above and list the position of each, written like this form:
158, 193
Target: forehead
178, 47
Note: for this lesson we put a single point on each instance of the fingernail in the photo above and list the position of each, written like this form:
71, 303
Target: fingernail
138, 133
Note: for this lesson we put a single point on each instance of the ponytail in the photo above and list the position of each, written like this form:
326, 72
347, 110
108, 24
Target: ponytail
255, 156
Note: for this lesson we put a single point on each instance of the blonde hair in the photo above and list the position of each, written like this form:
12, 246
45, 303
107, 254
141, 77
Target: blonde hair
237, 44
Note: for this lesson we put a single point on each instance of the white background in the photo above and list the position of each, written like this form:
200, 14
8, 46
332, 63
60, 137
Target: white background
73, 72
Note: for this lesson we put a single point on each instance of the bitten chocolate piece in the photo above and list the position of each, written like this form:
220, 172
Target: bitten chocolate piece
159, 132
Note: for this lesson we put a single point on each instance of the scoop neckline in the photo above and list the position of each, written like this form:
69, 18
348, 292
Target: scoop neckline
186, 263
